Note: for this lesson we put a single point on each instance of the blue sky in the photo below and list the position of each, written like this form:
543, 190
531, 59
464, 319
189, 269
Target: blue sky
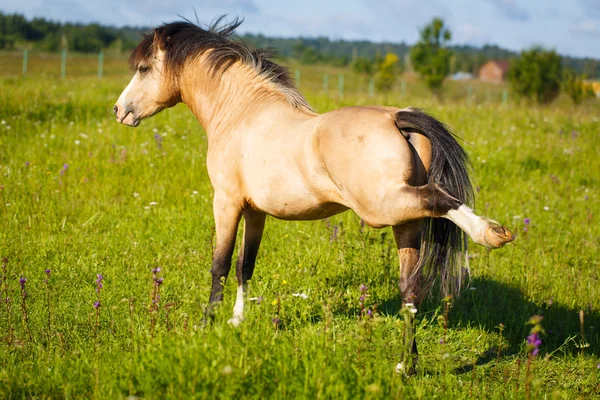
571, 27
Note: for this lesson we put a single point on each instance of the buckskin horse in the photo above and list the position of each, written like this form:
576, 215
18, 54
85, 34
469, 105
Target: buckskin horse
269, 153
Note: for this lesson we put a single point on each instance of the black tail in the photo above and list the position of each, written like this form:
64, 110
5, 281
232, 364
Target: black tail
443, 244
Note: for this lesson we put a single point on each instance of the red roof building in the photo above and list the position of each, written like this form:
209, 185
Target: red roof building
494, 71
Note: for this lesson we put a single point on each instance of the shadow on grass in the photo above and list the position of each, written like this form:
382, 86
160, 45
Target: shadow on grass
493, 303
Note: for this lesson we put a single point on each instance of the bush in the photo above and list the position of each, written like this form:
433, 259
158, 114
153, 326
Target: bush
363, 65
388, 70
536, 75
573, 86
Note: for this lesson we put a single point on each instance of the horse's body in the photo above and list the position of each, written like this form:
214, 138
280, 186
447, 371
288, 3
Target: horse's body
313, 168
270, 154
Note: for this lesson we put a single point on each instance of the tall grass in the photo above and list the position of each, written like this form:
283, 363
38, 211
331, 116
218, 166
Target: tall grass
81, 195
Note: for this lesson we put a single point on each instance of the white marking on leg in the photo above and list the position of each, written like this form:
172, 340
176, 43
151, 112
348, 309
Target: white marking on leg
238, 308
472, 224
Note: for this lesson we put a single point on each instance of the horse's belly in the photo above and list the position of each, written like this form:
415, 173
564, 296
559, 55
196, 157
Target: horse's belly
307, 212
285, 202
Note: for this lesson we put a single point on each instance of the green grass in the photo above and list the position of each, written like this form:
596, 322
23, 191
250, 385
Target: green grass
95, 217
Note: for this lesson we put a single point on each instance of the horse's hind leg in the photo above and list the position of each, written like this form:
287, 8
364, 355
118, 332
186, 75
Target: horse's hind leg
408, 242
254, 224
415, 202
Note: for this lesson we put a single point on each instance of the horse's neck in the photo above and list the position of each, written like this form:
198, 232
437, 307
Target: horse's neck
224, 101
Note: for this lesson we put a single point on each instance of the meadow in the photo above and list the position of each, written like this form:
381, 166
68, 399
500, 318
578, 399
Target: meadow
90, 210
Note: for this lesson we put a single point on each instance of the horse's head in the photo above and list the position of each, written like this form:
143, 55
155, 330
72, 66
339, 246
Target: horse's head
154, 86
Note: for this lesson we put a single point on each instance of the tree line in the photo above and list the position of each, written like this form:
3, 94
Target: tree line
16, 32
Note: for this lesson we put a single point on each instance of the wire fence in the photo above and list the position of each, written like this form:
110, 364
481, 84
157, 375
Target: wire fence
335, 82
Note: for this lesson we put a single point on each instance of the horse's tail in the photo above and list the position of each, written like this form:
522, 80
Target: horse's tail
443, 244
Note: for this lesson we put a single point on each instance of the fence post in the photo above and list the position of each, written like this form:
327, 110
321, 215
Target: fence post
341, 85
371, 87
297, 77
326, 82
24, 62
100, 64
63, 64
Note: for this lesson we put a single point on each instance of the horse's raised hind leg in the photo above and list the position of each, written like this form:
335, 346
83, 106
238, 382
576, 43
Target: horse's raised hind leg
227, 218
254, 224
408, 243
408, 203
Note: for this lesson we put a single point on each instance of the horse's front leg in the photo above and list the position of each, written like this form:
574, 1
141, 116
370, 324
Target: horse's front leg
408, 242
227, 217
254, 224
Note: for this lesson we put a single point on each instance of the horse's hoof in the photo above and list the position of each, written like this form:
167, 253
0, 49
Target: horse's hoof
400, 369
235, 321
495, 235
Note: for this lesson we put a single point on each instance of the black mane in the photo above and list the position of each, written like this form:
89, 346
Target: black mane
184, 40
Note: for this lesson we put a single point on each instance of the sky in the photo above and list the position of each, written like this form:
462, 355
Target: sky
571, 27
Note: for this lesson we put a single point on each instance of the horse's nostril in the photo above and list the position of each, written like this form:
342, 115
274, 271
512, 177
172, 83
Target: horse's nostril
116, 109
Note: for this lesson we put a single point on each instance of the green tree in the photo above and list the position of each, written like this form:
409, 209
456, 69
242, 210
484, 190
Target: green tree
430, 58
387, 73
537, 75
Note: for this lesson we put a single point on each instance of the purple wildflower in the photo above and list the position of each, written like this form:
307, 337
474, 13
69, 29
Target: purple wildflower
534, 342
275, 321
99, 284
158, 281
370, 313
362, 226
574, 134
64, 169
48, 271
159, 140
97, 304
363, 288
22, 281
156, 270
526, 221
334, 233
441, 341
259, 299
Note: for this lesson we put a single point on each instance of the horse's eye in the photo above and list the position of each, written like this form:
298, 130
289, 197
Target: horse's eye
143, 69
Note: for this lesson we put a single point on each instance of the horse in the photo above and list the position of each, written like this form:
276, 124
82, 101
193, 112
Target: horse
269, 153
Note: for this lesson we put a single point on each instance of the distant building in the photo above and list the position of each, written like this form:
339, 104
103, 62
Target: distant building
494, 71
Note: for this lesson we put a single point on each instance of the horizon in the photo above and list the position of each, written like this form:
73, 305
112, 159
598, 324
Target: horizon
571, 30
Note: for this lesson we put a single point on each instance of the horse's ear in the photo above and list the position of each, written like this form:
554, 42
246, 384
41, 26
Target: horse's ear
160, 41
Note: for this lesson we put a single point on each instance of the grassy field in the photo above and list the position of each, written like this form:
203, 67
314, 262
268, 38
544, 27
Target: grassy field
82, 195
